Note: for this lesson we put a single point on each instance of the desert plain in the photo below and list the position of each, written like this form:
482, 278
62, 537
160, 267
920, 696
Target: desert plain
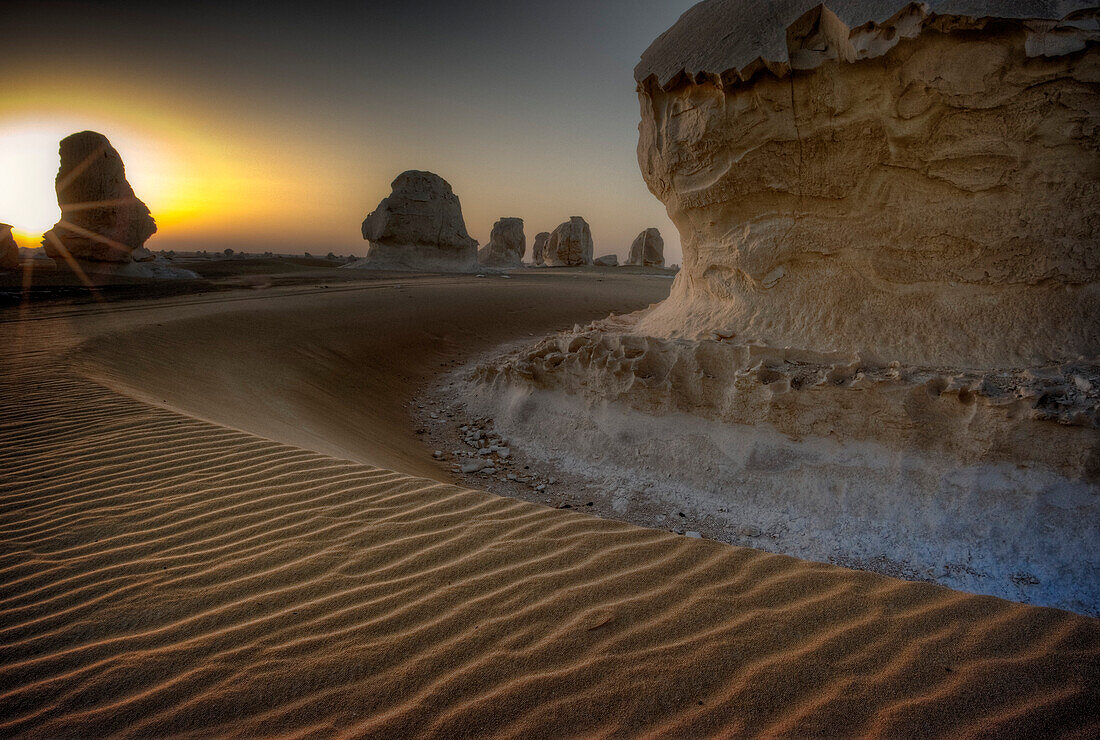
226, 549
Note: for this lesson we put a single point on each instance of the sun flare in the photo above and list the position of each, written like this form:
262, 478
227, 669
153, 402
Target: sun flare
28, 159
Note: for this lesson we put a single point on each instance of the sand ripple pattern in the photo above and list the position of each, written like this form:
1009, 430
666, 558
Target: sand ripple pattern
165, 576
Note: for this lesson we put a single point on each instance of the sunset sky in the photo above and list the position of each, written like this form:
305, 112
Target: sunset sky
271, 126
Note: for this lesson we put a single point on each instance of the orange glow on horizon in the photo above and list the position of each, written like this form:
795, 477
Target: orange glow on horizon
203, 176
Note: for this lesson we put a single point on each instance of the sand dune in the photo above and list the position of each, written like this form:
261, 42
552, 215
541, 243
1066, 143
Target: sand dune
332, 370
163, 574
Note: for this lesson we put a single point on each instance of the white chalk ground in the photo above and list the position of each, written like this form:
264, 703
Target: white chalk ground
1019, 533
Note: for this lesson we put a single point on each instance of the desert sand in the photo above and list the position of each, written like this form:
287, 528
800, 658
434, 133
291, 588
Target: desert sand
194, 542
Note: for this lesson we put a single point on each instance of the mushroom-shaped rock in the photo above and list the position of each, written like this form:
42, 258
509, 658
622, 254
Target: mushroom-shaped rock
538, 251
648, 249
907, 181
569, 244
419, 226
102, 219
506, 246
608, 260
9, 250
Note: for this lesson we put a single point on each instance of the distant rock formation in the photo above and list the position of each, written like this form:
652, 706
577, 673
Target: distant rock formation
9, 250
885, 328
569, 244
419, 226
37, 253
648, 249
507, 244
608, 260
102, 219
538, 252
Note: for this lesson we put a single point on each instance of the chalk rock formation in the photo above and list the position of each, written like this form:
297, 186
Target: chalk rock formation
569, 244
9, 250
648, 249
102, 219
879, 179
506, 246
419, 226
538, 252
608, 260
882, 346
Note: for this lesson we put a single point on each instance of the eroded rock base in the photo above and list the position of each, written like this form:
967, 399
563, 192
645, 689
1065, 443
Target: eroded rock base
982, 482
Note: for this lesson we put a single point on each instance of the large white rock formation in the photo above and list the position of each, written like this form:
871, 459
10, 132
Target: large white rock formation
103, 226
882, 348
506, 246
648, 249
569, 244
419, 226
911, 182
102, 220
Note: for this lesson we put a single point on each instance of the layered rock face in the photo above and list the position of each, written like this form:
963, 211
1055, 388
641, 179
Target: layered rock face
648, 249
419, 226
9, 250
507, 244
923, 190
569, 244
538, 251
102, 219
882, 348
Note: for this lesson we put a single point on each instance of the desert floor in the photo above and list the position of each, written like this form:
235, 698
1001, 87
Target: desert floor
201, 533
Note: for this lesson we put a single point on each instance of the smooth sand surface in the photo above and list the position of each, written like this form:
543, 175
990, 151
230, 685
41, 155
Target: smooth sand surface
331, 370
161, 573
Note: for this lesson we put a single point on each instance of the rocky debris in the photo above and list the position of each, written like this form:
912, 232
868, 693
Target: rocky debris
648, 249
507, 245
419, 226
569, 244
538, 252
102, 219
9, 250
608, 260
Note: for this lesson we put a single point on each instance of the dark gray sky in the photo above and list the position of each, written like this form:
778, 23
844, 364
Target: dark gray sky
284, 123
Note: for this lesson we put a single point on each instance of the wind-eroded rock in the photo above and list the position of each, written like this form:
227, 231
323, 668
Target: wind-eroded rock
648, 249
608, 260
9, 250
920, 188
569, 244
101, 218
538, 251
885, 326
506, 246
419, 226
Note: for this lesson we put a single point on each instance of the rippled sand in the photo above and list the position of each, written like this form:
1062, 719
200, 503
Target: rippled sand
172, 572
